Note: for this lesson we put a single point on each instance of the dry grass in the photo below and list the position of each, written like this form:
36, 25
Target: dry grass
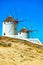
19, 53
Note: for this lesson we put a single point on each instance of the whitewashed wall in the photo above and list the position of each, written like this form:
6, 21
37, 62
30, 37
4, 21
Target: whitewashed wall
9, 28
23, 35
33, 40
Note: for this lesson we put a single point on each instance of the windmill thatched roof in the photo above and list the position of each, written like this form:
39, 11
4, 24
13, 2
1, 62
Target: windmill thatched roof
24, 30
9, 18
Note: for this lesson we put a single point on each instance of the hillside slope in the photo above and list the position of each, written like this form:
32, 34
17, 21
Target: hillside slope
20, 52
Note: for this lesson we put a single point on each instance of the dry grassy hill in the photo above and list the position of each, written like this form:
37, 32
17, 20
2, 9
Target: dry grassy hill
20, 52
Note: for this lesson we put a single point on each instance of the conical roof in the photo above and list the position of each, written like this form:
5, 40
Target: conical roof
9, 18
24, 30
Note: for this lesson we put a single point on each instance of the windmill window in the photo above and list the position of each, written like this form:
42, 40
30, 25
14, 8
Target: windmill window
20, 32
4, 34
4, 22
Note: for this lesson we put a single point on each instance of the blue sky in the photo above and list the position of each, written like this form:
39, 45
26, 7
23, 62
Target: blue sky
26, 10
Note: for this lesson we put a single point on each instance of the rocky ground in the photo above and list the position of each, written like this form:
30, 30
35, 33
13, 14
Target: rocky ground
19, 52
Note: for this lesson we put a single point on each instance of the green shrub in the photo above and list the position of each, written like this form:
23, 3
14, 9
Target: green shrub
32, 56
4, 44
9, 44
0, 43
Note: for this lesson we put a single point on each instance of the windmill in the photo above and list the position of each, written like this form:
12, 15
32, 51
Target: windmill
10, 25
30, 31
17, 21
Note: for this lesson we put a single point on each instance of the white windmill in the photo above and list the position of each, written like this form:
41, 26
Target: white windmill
10, 25
25, 32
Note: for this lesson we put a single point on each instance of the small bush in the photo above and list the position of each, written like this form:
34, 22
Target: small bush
5, 45
9, 44
32, 56
30, 48
0, 43
39, 51
21, 56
